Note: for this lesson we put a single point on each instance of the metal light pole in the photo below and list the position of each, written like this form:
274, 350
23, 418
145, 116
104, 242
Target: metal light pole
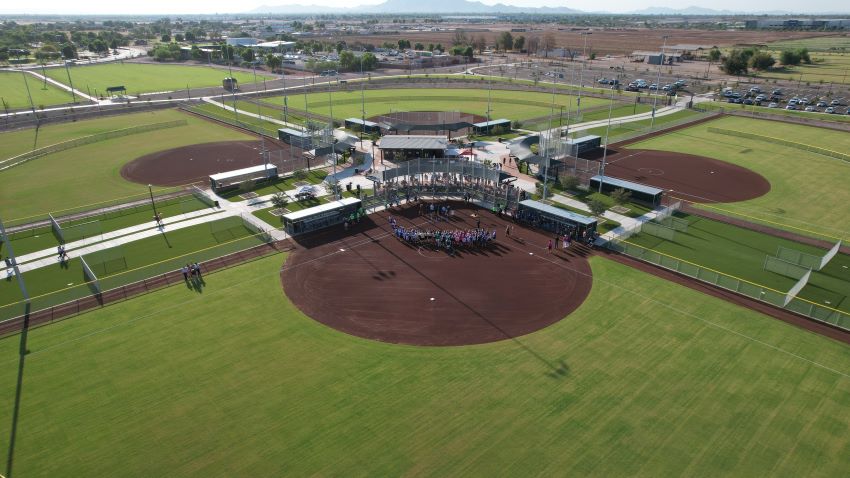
29, 95
657, 85
581, 72
71, 83
607, 131
548, 140
153, 203
362, 99
263, 152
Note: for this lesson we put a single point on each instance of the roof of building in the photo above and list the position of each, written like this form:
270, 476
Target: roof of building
497, 122
360, 121
413, 142
321, 208
622, 183
241, 172
584, 139
275, 44
558, 212
295, 132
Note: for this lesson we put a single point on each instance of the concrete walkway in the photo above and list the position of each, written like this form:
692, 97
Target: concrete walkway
49, 257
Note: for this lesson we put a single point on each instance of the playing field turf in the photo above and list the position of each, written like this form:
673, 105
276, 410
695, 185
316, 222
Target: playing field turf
514, 105
147, 77
808, 191
57, 284
91, 173
647, 378
13, 92
620, 130
741, 253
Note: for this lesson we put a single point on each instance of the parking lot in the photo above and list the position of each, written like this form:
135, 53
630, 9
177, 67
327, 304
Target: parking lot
800, 98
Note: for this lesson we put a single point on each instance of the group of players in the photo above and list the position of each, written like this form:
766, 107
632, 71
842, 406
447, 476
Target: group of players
448, 240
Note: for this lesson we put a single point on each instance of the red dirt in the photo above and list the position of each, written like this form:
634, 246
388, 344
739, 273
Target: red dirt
188, 164
368, 283
691, 177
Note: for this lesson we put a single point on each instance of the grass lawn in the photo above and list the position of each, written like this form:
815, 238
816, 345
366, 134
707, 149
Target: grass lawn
91, 174
147, 78
279, 185
808, 191
741, 253
826, 67
647, 378
514, 105
170, 247
13, 92
228, 115
630, 128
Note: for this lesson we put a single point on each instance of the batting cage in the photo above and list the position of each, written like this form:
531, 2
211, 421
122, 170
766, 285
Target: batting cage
106, 262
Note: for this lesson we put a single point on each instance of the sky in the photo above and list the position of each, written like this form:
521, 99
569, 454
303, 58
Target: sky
223, 6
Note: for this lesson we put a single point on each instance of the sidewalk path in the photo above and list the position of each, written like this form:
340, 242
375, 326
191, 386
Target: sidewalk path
48, 257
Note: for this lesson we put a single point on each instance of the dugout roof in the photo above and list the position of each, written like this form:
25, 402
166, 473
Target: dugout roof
627, 185
320, 209
414, 142
558, 212
241, 172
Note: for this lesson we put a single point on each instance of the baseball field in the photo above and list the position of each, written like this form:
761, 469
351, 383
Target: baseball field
807, 190
14, 92
514, 105
147, 78
682, 382
352, 349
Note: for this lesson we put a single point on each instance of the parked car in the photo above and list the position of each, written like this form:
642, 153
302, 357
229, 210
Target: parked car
773, 105
810, 108
803, 101
835, 103
602, 81
748, 101
829, 110
791, 107
776, 92
653, 86
821, 104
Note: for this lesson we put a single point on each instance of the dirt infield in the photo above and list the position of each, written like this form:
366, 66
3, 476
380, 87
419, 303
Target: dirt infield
691, 177
188, 164
368, 283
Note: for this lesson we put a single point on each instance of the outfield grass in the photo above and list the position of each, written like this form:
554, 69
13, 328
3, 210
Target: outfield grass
91, 173
57, 284
13, 92
514, 105
147, 78
647, 378
741, 253
808, 191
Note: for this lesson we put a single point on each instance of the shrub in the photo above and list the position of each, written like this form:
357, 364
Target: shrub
597, 207
280, 200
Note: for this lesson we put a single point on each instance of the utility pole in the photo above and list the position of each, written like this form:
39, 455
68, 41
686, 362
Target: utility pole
657, 85
607, 132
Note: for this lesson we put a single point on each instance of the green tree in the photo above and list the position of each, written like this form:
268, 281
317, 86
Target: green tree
714, 55
519, 43
789, 57
569, 182
505, 41
597, 207
179, 37
621, 196
69, 50
736, 62
419, 46
804, 55
166, 38
280, 200
273, 62
762, 61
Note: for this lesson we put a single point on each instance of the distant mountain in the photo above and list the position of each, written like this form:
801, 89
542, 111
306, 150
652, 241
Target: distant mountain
415, 6
700, 11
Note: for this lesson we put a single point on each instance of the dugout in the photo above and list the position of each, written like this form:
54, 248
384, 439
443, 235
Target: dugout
554, 219
585, 144
487, 126
640, 192
321, 216
299, 139
367, 127
404, 147
231, 179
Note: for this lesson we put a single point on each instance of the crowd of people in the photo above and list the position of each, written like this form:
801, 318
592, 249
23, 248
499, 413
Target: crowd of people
448, 240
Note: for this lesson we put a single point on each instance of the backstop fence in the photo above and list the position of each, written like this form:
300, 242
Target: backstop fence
448, 177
